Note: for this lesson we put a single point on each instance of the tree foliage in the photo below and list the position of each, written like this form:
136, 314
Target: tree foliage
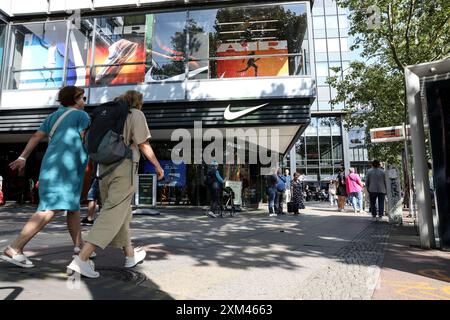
406, 32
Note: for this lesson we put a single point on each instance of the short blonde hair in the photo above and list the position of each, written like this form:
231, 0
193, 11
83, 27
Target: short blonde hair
133, 98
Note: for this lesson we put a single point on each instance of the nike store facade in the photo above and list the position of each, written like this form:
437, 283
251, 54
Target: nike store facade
231, 81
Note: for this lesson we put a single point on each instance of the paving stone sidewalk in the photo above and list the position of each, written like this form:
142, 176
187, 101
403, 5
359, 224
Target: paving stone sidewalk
321, 254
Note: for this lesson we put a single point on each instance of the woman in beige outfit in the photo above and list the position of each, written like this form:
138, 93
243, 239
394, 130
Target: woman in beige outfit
112, 227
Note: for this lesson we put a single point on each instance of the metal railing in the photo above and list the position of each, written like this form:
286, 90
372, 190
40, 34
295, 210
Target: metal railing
91, 75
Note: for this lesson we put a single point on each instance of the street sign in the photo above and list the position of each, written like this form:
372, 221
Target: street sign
389, 134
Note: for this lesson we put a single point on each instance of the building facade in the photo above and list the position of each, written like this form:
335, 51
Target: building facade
327, 146
223, 77
210, 71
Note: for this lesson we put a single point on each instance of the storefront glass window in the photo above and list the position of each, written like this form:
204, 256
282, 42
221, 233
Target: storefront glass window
38, 55
231, 42
248, 42
312, 148
119, 52
166, 46
300, 151
2, 42
80, 44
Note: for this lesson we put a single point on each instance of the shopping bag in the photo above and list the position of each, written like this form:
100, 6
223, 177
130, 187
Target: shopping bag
290, 206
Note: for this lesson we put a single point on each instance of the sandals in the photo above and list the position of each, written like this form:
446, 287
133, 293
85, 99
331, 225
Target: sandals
17, 259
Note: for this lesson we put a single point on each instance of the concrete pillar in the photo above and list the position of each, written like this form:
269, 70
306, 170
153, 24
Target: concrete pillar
422, 186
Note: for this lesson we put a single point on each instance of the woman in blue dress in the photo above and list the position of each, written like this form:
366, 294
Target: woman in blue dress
61, 175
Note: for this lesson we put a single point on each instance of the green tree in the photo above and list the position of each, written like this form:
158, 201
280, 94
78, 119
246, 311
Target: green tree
391, 34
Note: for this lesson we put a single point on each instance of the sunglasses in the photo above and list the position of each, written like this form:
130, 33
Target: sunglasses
78, 97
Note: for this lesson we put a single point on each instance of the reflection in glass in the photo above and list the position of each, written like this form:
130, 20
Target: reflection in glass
2, 41
231, 42
337, 147
249, 42
300, 151
80, 42
119, 54
166, 46
311, 130
312, 148
38, 55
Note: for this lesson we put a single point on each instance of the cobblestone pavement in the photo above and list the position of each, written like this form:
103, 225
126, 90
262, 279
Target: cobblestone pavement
355, 271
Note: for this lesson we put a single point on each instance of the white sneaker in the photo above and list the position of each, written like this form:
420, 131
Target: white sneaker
272, 215
212, 214
139, 256
77, 250
85, 268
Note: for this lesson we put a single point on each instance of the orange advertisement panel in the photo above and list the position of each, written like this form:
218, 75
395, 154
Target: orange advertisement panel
252, 66
115, 57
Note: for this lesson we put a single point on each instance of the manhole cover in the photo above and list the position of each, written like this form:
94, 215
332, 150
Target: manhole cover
122, 274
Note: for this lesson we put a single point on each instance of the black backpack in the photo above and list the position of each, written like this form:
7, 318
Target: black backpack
104, 139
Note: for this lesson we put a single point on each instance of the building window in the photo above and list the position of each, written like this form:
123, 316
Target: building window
323, 93
343, 21
320, 45
250, 42
2, 42
322, 69
318, 7
80, 54
38, 55
332, 22
344, 44
333, 45
319, 150
319, 22
230, 42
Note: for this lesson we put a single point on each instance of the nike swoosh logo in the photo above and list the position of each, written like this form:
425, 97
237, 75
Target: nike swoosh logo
228, 115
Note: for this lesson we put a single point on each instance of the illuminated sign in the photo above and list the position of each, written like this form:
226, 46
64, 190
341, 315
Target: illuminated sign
388, 134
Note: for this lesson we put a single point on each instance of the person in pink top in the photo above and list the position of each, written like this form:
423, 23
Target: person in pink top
354, 188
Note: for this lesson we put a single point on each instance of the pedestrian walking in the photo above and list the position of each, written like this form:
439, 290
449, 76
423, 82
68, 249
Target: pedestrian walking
332, 189
271, 181
287, 176
93, 197
341, 191
297, 194
354, 189
117, 188
61, 174
280, 195
214, 182
376, 186
2, 199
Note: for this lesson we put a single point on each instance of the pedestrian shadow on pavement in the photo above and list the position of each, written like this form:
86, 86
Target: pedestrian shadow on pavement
244, 242
48, 280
